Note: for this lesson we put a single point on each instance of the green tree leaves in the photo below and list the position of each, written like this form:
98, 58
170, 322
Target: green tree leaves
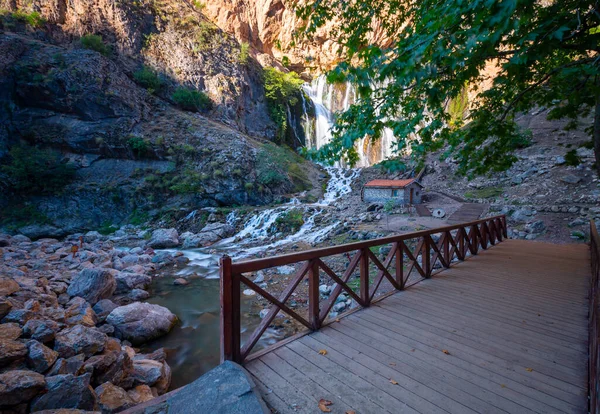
411, 60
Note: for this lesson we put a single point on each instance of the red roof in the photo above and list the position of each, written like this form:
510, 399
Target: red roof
390, 183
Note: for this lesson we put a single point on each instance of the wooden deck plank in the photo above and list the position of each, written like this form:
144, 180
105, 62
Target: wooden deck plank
513, 318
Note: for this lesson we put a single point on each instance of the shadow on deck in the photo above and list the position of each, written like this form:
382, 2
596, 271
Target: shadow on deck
505, 331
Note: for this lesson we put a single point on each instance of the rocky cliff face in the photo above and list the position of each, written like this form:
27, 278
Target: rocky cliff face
134, 153
175, 38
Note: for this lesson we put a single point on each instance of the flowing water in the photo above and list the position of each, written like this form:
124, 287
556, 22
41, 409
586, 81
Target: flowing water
329, 99
193, 345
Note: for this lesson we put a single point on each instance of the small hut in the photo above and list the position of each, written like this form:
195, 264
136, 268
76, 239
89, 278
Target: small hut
403, 192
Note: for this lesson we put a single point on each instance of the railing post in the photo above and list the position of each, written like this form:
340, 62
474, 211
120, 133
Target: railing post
474, 241
461, 242
504, 227
446, 247
425, 258
230, 313
364, 276
399, 265
313, 296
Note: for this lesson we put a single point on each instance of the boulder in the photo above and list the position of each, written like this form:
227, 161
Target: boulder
535, 227
10, 331
66, 391
140, 394
211, 233
79, 339
79, 312
103, 308
8, 286
114, 366
43, 330
65, 366
164, 238
20, 386
128, 281
152, 373
39, 357
570, 179
141, 322
20, 316
5, 307
112, 399
11, 351
93, 285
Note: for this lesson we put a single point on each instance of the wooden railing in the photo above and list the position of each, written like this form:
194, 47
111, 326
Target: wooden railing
441, 245
594, 321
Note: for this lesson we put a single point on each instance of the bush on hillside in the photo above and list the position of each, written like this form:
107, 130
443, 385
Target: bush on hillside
32, 170
95, 42
192, 100
148, 78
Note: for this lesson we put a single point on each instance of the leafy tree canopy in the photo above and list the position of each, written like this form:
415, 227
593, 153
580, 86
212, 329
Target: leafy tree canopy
410, 59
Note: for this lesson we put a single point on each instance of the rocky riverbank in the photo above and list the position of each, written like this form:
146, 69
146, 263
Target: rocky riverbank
70, 318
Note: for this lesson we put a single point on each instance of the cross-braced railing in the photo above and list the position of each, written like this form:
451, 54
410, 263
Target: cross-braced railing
594, 321
410, 255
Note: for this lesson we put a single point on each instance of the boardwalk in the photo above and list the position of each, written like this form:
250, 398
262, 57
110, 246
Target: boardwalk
505, 331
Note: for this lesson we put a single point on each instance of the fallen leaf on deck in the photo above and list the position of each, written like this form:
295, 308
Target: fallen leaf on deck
393, 364
393, 382
445, 351
350, 412
528, 369
502, 385
337, 320
412, 350
323, 405
323, 352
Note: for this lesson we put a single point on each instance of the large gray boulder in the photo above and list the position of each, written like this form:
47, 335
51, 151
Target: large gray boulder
66, 391
43, 330
5, 307
129, 281
79, 339
164, 238
20, 386
39, 357
211, 233
141, 322
93, 285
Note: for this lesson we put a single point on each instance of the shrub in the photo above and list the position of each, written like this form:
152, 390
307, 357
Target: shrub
275, 165
281, 89
33, 19
192, 100
290, 221
95, 42
138, 145
244, 53
249, 186
148, 78
34, 170
572, 159
205, 36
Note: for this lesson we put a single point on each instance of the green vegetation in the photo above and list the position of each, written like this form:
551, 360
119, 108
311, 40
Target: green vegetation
457, 108
138, 145
32, 170
290, 221
139, 217
107, 228
192, 100
95, 42
275, 165
148, 78
33, 19
571, 158
185, 181
281, 90
244, 53
207, 35
16, 216
487, 192
544, 54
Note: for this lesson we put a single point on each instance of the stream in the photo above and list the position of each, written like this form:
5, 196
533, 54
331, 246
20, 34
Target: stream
193, 345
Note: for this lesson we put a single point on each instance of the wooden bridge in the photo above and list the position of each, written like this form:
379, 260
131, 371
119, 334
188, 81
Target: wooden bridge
430, 331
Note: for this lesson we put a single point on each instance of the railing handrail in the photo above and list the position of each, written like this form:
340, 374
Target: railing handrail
468, 238
594, 322
254, 265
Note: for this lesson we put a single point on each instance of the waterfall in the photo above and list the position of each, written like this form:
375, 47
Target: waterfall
329, 99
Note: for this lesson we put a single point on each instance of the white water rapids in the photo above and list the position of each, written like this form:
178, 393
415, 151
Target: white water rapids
256, 234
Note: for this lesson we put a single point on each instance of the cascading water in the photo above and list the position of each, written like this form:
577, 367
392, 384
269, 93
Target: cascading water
329, 99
